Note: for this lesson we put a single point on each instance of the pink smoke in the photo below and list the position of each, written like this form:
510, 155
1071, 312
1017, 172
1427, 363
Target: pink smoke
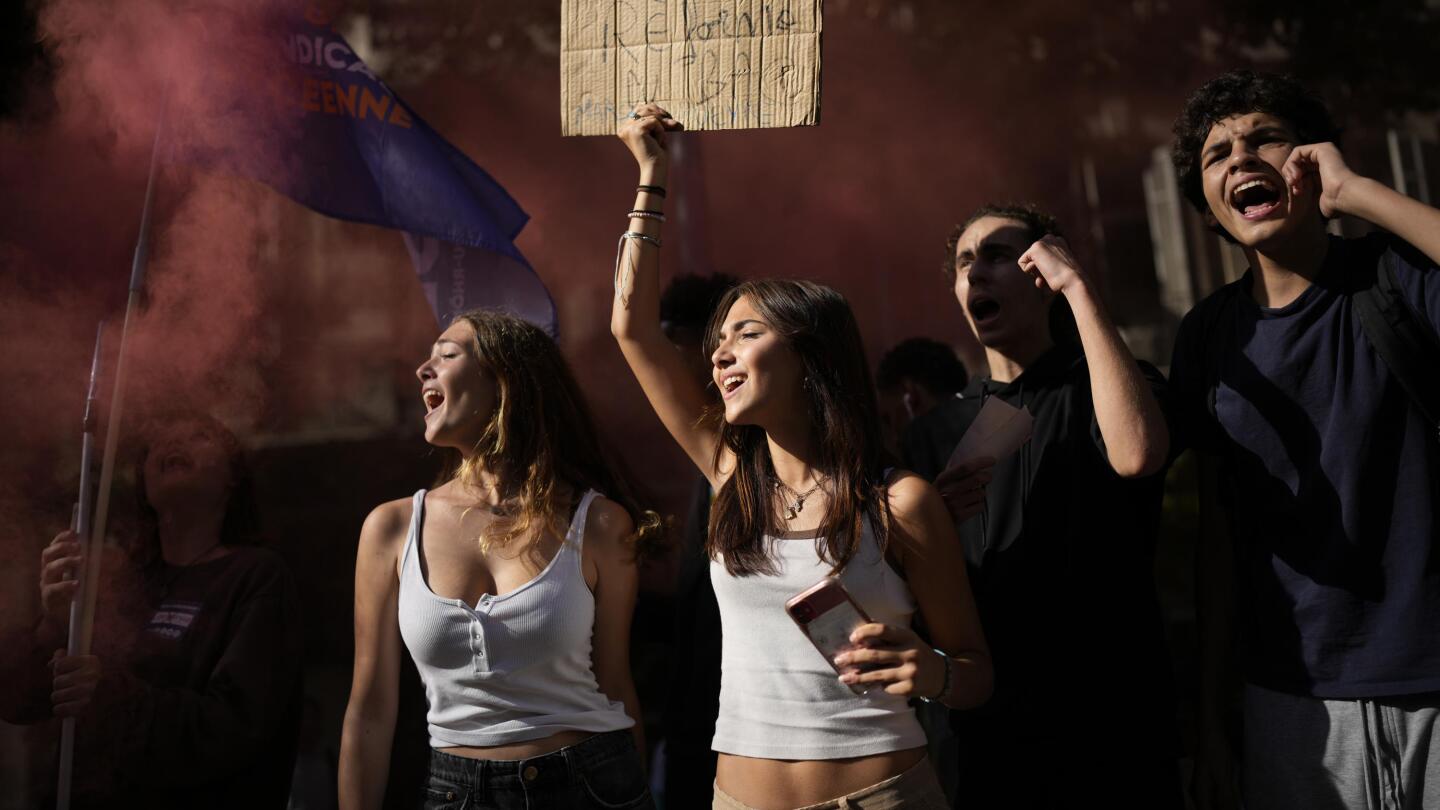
228, 256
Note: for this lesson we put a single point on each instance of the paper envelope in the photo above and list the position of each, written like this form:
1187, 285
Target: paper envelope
998, 430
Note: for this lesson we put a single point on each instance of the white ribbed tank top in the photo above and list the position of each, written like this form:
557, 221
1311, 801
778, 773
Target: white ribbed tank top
514, 667
779, 697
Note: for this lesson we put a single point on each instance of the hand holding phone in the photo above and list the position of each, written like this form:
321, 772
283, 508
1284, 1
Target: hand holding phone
827, 616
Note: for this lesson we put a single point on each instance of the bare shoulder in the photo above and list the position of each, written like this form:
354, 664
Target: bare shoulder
385, 527
920, 526
917, 515
911, 496
607, 527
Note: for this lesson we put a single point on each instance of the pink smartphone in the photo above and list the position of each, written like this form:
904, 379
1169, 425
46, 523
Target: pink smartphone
827, 616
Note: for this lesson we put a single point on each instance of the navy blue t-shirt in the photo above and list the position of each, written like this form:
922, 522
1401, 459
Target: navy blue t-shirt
1332, 478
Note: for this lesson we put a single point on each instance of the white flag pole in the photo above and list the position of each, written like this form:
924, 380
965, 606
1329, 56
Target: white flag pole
82, 626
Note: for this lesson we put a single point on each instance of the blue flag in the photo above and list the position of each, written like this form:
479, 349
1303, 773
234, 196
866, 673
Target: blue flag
356, 151
450, 271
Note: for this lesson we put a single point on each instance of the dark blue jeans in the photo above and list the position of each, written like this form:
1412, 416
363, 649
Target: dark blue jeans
603, 772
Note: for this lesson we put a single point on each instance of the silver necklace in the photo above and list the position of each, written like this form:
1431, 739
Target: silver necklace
797, 505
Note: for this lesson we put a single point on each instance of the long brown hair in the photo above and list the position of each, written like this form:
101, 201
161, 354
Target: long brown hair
815, 321
541, 438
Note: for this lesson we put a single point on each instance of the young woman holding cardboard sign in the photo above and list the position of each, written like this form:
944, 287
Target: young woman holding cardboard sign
802, 492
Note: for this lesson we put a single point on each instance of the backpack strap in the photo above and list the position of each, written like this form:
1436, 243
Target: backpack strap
1406, 345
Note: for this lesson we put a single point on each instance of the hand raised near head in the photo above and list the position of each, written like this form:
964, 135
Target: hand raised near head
1052, 266
1319, 169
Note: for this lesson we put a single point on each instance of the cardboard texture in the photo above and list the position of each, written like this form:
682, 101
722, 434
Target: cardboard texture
714, 64
998, 430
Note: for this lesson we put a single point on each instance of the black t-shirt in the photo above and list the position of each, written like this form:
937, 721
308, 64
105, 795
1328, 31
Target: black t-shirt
1331, 477
200, 697
1062, 566
693, 690
930, 438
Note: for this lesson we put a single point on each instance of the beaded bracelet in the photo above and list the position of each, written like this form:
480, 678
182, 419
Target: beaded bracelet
658, 191
646, 214
945, 688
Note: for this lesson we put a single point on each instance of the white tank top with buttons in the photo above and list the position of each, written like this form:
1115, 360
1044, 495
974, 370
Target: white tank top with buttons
513, 667
779, 697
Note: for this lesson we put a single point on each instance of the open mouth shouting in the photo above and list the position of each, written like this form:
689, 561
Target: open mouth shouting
730, 383
433, 400
175, 460
1256, 197
983, 309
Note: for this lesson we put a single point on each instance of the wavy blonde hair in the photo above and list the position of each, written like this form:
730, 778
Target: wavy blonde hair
540, 444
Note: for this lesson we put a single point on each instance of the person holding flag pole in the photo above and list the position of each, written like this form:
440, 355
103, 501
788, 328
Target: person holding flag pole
190, 694
77, 669
80, 525
197, 700
370, 159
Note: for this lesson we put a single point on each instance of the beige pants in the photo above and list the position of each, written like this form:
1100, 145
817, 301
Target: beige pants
915, 789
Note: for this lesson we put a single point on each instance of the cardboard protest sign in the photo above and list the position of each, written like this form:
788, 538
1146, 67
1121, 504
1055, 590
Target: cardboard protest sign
998, 430
714, 64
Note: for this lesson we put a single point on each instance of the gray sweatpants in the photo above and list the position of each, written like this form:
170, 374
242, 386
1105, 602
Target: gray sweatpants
1314, 754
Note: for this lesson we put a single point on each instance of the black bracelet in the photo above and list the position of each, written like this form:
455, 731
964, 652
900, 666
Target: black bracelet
658, 191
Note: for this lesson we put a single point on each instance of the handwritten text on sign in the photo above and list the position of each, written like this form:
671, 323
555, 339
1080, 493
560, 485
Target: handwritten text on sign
731, 64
